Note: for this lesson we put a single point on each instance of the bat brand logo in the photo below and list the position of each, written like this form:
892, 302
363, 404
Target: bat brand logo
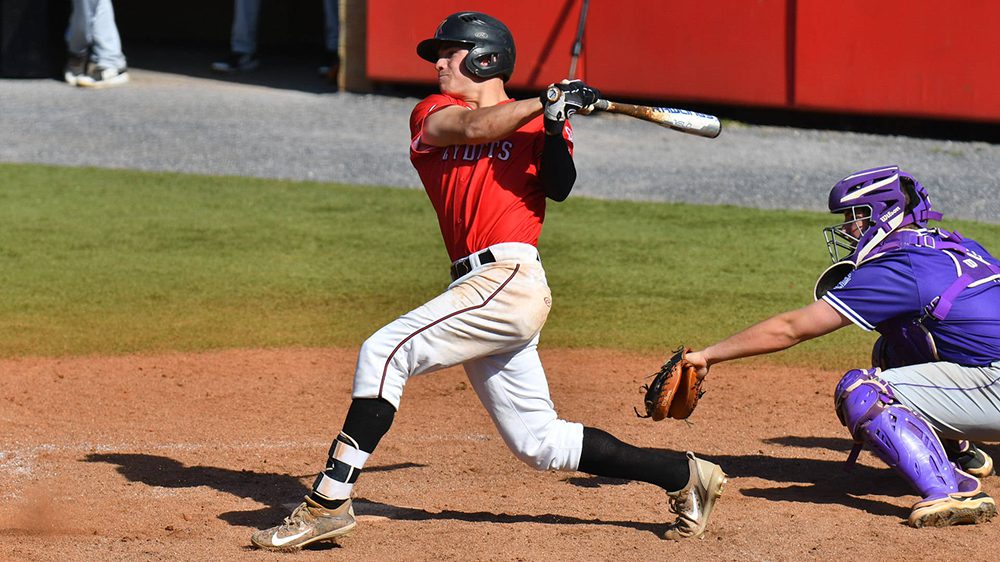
676, 111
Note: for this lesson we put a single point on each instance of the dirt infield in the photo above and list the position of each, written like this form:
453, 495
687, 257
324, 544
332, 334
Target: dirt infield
180, 457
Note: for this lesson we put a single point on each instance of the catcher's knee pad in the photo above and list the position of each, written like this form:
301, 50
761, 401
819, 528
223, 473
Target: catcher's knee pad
898, 436
556, 446
867, 393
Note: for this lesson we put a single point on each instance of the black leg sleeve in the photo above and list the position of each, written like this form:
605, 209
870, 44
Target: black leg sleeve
605, 455
368, 419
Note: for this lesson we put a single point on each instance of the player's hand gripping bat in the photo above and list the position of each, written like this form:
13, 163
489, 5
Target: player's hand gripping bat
682, 120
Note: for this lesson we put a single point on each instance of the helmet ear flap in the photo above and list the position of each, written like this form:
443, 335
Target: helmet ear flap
909, 190
479, 63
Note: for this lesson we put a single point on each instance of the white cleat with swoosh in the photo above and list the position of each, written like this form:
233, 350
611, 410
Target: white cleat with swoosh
309, 523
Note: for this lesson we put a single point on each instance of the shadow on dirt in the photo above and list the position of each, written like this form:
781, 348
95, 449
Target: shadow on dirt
368, 507
819, 481
808, 480
594, 481
280, 491
276, 491
829, 443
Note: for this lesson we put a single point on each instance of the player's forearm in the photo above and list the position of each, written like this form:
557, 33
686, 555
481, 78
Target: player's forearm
496, 122
777, 333
773, 334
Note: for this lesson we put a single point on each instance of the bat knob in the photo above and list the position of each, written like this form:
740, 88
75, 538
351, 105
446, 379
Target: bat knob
553, 94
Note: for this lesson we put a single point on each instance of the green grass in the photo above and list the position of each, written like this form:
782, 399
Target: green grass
106, 261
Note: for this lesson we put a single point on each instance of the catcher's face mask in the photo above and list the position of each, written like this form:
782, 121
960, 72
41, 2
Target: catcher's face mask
891, 198
842, 238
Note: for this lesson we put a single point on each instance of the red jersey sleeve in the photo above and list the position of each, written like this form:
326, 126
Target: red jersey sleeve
425, 108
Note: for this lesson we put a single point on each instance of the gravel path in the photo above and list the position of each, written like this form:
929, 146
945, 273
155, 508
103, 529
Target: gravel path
190, 124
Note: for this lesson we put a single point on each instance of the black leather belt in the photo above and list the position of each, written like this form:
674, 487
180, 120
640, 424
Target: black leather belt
464, 265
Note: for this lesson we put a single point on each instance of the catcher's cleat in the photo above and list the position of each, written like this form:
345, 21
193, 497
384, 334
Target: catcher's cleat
309, 523
955, 509
969, 505
693, 503
969, 458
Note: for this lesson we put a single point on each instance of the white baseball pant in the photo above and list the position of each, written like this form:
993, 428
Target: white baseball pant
489, 321
959, 402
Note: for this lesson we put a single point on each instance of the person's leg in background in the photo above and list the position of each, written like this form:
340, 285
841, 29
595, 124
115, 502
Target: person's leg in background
242, 38
93, 35
330, 68
78, 39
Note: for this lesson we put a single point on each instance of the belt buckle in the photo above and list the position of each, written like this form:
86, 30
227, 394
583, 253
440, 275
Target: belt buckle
464, 265
460, 268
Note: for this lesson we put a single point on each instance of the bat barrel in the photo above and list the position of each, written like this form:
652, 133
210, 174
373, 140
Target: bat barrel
692, 122
682, 120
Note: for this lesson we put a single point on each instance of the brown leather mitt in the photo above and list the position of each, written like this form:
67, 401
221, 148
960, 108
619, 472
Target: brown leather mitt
675, 389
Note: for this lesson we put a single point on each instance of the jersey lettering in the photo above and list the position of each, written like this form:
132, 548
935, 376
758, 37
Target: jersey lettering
472, 152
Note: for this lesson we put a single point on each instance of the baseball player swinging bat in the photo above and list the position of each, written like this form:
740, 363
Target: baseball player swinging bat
682, 120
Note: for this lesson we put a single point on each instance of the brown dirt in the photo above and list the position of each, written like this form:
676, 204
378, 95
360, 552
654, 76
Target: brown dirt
180, 457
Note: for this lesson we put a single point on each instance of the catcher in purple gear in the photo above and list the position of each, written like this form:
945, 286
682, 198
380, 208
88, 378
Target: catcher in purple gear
934, 298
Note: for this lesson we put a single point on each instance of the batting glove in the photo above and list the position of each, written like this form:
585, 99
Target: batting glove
560, 101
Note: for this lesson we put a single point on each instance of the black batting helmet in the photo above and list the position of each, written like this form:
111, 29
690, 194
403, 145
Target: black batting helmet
491, 46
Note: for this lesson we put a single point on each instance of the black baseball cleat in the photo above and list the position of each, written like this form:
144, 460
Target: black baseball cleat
969, 458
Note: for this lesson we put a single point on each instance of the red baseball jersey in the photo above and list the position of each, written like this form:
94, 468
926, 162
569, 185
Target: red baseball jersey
484, 194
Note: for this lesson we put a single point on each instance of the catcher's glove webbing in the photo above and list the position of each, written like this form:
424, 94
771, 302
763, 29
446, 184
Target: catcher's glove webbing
675, 389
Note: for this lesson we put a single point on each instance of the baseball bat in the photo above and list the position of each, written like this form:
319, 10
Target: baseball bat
682, 120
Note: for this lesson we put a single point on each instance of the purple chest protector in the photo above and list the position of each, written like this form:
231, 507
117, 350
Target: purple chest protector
903, 341
909, 341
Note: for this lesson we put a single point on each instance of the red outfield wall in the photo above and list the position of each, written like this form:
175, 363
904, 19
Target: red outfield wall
915, 57
891, 57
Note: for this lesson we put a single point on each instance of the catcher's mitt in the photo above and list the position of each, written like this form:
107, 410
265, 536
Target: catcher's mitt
675, 389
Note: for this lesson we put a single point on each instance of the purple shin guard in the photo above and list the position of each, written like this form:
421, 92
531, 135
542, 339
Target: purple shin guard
896, 435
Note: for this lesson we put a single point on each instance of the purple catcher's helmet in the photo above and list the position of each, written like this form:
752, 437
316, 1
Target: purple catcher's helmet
878, 198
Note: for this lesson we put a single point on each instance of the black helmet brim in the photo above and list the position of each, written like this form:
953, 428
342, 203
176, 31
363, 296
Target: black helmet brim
428, 49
